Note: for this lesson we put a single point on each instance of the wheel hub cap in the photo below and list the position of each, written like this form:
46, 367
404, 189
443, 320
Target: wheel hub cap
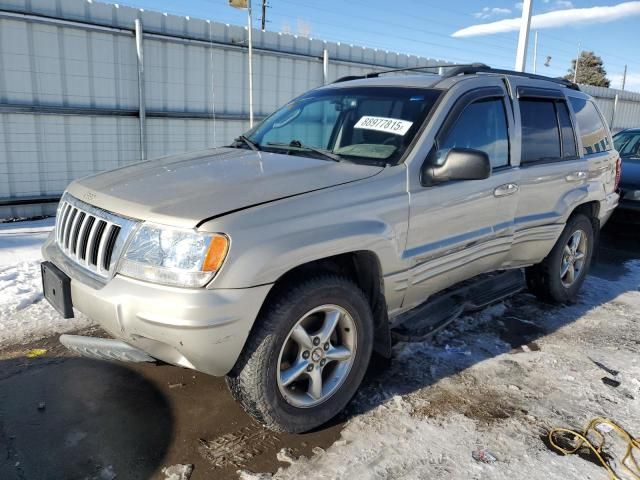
317, 355
573, 258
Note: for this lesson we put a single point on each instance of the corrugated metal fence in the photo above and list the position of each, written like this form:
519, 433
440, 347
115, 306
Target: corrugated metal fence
619, 107
69, 87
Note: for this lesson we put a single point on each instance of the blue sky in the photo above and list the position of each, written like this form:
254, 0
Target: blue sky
425, 28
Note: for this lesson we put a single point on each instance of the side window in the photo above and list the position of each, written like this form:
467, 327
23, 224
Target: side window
569, 149
593, 131
482, 125
540, 136
631, 148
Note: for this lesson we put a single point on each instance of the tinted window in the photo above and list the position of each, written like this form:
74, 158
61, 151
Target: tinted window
566, 130
482, 126
540, 137
620, 139
590, 125
631, 148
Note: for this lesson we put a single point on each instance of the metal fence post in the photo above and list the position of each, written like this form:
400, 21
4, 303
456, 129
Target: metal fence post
613, 113
325, 66
141, 96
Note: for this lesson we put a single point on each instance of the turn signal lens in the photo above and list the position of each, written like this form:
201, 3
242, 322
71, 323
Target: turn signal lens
216, 253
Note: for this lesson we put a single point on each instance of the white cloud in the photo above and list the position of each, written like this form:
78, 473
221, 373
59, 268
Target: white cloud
632, 83
559, 4
518, 6
488, 12
558, 18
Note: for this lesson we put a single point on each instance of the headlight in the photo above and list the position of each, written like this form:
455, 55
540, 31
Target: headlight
632, 195
172, 256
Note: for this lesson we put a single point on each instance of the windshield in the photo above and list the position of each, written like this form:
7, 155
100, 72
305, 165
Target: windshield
627, 144
358, 124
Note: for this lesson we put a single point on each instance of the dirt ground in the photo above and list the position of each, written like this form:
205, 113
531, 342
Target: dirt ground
65, 417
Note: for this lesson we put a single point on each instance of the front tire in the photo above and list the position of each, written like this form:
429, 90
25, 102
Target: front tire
559, 277
306, 355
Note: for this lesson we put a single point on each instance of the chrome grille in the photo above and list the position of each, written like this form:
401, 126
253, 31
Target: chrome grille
91, 237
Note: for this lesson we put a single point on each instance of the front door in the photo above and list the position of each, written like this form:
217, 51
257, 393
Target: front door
459, 229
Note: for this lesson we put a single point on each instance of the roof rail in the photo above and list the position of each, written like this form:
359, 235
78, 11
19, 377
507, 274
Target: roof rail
453, 70
406, 69
482, 68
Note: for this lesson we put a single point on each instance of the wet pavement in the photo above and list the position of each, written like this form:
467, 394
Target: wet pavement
65, 417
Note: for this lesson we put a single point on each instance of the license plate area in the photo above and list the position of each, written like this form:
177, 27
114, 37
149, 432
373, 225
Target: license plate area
57, 289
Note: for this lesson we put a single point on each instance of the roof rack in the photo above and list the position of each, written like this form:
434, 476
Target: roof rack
482, 68
453, 70
407, 69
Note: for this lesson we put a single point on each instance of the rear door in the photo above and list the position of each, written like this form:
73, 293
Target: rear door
553, 176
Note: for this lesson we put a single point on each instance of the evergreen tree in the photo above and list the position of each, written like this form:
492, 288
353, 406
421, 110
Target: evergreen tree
590, 70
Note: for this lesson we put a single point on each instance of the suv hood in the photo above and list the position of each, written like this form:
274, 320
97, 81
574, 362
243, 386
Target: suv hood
182, 190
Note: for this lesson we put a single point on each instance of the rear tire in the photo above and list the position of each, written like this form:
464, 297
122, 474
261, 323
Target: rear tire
559, 277
306, 355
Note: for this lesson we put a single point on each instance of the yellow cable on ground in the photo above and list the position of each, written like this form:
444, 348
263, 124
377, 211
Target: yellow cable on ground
632, 444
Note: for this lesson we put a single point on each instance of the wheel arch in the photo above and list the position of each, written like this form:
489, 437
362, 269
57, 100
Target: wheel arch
363, 267
591, 210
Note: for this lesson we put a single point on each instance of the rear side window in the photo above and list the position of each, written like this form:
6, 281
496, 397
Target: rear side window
592, 129
569, 149
482, 125
540, 135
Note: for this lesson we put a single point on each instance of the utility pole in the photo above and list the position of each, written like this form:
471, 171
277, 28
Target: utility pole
575, 70
242, 4
624, 77
264, 14
523, 38
142, 115
250, 64
535, 51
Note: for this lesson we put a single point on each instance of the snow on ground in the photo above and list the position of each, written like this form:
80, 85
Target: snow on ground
471, 389
24, 314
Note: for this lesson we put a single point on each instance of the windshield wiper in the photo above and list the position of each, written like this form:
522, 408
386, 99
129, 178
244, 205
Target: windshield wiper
250, 143
301, 146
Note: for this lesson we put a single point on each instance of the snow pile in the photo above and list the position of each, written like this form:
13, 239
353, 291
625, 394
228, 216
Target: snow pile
24, 314
470, 389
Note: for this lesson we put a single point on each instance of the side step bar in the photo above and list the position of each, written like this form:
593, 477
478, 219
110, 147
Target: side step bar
432, 316
104, 349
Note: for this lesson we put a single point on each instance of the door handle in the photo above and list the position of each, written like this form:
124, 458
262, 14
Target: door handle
506, 189
576, 176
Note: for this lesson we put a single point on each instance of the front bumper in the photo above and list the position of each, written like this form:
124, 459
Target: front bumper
203, 329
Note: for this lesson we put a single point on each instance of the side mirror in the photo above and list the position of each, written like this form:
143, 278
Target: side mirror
458, 164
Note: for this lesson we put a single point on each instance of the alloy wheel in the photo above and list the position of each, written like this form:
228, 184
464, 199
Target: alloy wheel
316, 356
573, 258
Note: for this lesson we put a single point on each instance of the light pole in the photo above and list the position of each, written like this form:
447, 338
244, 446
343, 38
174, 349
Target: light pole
575, 70
242, 4
535, 51
523, 38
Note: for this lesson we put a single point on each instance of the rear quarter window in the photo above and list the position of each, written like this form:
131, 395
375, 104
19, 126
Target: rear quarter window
593, 131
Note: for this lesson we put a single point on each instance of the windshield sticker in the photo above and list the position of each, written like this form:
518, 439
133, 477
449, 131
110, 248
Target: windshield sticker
383, 124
